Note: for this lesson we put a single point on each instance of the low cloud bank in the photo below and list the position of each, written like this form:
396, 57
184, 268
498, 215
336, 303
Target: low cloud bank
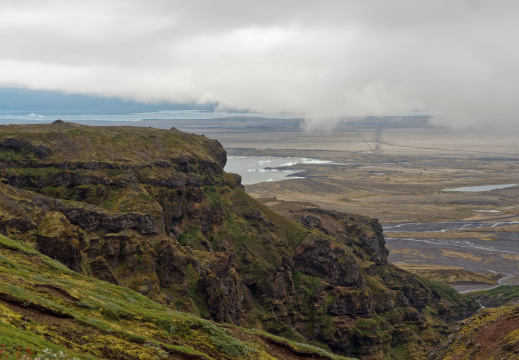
320, 59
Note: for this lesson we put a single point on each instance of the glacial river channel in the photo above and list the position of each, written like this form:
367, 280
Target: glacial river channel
497, 256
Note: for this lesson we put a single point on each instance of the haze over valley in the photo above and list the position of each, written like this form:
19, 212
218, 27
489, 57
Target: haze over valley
334, 180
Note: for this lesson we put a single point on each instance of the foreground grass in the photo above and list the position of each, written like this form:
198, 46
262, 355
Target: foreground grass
45, 308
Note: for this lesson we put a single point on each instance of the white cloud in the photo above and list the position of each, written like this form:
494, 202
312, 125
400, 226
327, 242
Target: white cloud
318, 58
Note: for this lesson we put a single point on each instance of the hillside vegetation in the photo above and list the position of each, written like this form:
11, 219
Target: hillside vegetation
489, 334
498, 296
45, 305
153, 211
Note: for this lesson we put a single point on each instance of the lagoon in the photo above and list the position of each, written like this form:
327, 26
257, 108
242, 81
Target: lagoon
256, 169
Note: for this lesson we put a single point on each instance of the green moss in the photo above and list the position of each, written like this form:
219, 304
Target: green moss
16, 246
112, 311
215, 199
366, 327
16, 342
192, 283
499, 296
190, 237
55, 224
456, 300
296, 278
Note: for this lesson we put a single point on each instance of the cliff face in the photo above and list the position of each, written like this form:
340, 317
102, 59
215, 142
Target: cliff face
152, 210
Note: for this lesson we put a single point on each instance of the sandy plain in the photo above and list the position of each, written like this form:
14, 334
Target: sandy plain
402, 181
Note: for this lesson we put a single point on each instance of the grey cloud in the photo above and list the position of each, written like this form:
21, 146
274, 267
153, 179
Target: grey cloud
320, 59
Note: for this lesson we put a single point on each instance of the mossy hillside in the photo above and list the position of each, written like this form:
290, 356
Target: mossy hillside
450, 302
185, 234
230, 231
130, 165
78, 145
44, 305
499, 296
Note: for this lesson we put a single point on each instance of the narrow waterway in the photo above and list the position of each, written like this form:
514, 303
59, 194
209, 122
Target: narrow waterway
499, 256
449, 225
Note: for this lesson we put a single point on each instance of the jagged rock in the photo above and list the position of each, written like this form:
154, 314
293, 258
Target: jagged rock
100, 269
171, 265
60, 240
93, 218
364, 234
93, 250
20, 224
225, 296
319, 258
352, 303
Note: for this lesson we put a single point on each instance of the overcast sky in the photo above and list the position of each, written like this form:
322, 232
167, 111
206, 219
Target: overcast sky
454, 58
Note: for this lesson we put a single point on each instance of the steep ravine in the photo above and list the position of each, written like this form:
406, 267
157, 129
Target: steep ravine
154, 211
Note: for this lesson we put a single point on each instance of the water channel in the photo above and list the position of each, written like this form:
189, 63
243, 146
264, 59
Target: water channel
500, 255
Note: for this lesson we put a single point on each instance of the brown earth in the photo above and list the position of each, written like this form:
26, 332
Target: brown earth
489, 334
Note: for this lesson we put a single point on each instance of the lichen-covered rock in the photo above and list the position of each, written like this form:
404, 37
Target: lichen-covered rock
101, 270
94, 218
60, 240
226, 298
225, 295
364, 235
171, 265
319, 258
353, 303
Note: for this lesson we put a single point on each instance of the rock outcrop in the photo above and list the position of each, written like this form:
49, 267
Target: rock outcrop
60, 240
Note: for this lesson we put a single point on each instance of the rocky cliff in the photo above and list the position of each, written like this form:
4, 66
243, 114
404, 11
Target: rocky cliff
154, 211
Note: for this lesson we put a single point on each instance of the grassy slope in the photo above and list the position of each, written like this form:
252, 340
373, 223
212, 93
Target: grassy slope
499, 296
121, 145
489, 334
44, 305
